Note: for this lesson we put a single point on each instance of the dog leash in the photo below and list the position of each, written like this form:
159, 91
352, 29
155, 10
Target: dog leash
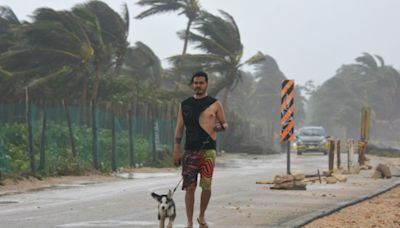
178, 184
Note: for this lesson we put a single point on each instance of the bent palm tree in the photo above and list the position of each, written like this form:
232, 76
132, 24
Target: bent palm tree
142, 65
108, 32
219, 39
190, 8
54, 45
8, 33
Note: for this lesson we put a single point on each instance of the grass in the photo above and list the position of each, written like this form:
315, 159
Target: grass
384, 152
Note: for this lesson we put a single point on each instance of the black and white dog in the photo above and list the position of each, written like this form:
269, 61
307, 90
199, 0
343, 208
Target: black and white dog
166, 208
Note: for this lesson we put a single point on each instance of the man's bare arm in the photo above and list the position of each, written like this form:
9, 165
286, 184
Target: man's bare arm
178, 138
221, 117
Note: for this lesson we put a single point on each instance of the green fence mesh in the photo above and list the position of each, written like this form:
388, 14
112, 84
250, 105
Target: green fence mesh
14, 157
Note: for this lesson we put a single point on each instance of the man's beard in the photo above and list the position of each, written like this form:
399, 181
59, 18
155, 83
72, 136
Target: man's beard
200, 91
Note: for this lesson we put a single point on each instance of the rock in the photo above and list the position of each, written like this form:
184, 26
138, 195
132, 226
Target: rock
281, 179
300, 184
326, 173
355, 169
346, 172
339, 171
340, 178
298, 175
331, 180
377, 174
294, 185
384, 169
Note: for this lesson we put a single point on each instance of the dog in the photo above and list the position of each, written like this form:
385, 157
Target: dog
166, 208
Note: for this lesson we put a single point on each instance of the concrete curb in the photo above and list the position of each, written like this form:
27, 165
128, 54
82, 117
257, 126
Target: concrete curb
308, 218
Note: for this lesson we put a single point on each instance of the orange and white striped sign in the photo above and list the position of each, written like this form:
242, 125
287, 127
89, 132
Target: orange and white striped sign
287, 110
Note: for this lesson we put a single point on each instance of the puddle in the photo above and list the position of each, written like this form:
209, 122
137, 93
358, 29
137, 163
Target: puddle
58, 186
240, 163
8, 202
115, 223
143, 175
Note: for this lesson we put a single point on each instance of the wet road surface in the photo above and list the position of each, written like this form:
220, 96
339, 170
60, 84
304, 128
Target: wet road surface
236, 201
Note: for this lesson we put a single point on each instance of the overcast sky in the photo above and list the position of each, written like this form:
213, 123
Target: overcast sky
310, 39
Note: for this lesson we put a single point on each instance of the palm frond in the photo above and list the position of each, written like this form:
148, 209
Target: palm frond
158, 8
381, 60
368, 61
255, 59
45, 79
8, 14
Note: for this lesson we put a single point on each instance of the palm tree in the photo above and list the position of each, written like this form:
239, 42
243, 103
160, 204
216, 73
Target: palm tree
142, 66
219, 39
9, 31
190, 8
54, 46
108, 33
8, 28
365, 83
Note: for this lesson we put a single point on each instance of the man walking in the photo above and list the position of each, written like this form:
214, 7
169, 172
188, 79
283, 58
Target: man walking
202, 116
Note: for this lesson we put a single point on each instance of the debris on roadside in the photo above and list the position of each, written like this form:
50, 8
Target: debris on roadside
264, 182
355, 169
340, 177
298, 181
382, 171
288, 182
331, 180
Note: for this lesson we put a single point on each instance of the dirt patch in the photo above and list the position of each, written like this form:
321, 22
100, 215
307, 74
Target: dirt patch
24, 184
380, 211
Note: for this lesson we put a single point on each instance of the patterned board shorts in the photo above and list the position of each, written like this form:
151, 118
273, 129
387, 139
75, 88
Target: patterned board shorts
198, 162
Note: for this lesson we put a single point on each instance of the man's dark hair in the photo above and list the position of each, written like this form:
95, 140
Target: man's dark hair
199, 74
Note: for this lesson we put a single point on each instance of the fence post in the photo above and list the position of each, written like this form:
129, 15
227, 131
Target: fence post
331, 155
361, 152
338, 161
350, 153
362, 148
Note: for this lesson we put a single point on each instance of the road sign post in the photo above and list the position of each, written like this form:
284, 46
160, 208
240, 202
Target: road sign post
287, 116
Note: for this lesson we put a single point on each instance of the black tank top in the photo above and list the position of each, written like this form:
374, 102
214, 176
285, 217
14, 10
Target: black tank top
196, 137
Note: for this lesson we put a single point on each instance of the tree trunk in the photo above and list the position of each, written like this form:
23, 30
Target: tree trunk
225, 98
131, 148
94, 139
186, 41
113, 149
218, 87
71, 136
30, 133
82, 108
153, 132
43, 139
96, 85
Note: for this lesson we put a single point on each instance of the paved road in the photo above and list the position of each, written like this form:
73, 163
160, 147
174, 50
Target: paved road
236, 202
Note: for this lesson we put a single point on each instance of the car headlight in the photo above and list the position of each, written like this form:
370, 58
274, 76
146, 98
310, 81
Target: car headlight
299, 142
323, 141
